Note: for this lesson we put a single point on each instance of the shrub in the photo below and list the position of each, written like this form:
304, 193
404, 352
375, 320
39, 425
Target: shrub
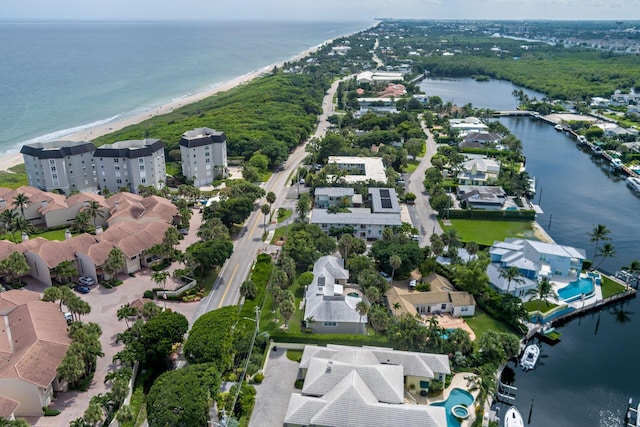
149, 294
50, 412
423, 287
258, 378
298, 384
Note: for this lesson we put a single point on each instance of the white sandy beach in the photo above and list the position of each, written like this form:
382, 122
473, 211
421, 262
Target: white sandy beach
9, 160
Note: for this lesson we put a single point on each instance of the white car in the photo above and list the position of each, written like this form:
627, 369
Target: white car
86, 280
412, 283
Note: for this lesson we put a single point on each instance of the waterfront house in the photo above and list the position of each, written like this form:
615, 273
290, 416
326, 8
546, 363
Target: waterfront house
130, 164
366, 223
534, 260
478, 170
63, 166
33, 342
204, 155
467, 124
379, 76
329, 305
442, 298
487, 197
346, 386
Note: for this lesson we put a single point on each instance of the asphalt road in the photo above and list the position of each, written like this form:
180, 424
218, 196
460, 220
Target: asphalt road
237, 268
423, 217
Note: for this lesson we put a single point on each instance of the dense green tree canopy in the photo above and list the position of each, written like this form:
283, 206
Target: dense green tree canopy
182, 397
210, 338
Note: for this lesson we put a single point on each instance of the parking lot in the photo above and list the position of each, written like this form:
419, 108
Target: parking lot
104, 306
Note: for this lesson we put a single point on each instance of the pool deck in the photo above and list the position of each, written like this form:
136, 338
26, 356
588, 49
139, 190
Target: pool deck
462, 380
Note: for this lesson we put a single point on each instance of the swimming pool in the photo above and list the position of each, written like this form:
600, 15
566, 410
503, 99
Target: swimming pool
576, 288
457, 397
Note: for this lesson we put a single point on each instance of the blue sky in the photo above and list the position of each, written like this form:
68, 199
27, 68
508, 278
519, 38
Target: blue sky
325, 10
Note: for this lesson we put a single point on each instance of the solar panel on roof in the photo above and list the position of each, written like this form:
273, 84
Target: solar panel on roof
384, 192
386, 203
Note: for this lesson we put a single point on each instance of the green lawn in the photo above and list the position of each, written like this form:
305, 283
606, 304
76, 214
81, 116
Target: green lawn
294, 355
609, 287
173, 168
284, 214
279, 233
486, 232
267, 318
481, 322
54, 234
412, 165
533, 306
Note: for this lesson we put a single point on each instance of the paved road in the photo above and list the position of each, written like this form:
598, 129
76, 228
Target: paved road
237, 268
423, 217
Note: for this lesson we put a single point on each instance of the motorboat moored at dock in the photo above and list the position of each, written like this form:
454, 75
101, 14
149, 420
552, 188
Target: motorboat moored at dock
633, 183
530, 357
512, 418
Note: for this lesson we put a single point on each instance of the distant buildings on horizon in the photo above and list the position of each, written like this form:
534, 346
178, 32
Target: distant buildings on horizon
68, 166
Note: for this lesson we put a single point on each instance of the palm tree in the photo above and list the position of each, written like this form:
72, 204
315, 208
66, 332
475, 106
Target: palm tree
373, 294
606, 251
396, 306
271, 198
599, 232
266, 210
22, 225
94, 210
543, 291
161, 277
8, 219
21, 201
395, 262
149, 310
81, 222
363, 309
94, 412
64, 272
511, 274
72, 367
248, 289
303, 206
287, 310
125, 312
114, 262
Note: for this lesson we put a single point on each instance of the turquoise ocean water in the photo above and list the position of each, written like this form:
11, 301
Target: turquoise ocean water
61, 77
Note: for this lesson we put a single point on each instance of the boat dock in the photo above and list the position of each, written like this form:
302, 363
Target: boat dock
565, 128
631, 418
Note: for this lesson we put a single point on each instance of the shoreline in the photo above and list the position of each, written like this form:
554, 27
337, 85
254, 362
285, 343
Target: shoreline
11, 159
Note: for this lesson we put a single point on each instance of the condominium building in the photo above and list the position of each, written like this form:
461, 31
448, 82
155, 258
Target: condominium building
130, 164
63, 166
204, 155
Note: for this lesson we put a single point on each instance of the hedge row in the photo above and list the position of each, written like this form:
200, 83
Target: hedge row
260, 276
520, 215
324, 339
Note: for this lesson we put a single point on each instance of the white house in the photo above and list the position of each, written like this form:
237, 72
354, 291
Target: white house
479, 171
329, 306
534, 260
359, 169
353, 386
367, 223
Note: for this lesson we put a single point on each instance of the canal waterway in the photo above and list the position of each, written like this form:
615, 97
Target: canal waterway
587, 378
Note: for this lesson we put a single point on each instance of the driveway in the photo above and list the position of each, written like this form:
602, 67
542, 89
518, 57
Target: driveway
104, 306
272, 397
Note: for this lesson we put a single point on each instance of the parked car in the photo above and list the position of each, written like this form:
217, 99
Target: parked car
412, 283
385, 276
82, 289
86, 281
184, 231
68, 317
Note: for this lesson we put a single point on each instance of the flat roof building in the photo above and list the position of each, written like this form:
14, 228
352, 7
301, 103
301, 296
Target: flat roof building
204, 155
63, 166
360, 169
130, 164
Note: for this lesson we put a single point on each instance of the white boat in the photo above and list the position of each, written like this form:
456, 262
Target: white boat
617, 163
559, 127
512, 418
530, 357
633, 183
582, 139
597, 150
